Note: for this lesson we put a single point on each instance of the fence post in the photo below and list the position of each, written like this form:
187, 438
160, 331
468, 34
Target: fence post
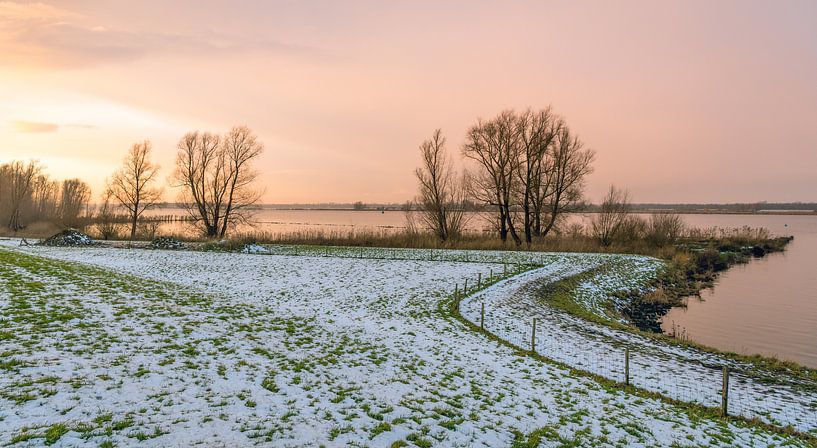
504, 269
491, 275
533, 337
482, 317
626, 366
725, 392
479, 279
465, 288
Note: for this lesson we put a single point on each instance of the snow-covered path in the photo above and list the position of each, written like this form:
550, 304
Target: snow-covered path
195, 348
680, 373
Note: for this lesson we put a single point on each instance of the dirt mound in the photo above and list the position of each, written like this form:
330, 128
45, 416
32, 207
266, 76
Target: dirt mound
68, 237
166, 242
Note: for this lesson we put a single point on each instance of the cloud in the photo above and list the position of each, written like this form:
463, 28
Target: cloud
34, 127
14, 12
40, 35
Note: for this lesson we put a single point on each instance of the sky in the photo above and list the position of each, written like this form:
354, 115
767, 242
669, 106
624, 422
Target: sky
683, 101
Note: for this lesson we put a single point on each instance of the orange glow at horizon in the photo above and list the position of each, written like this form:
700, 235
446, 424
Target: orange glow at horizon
683, 101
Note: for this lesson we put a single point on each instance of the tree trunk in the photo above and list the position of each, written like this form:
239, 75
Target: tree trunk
537, 223
503, 229
511, 228
527, 223
550, 223
133, 227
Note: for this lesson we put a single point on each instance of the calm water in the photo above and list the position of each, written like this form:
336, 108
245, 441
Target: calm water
768, 306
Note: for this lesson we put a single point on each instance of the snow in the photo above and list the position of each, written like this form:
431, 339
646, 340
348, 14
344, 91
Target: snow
304, 348
254, 249
683, 374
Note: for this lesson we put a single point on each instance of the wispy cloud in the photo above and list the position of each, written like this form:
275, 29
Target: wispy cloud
36, 34
34, 127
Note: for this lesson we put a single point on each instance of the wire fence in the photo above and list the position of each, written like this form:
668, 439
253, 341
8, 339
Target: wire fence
734, 391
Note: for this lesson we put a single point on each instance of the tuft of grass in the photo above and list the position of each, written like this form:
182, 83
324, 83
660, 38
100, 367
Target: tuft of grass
55, 432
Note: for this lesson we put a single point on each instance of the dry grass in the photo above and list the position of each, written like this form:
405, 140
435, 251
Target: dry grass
40, 229
575, 241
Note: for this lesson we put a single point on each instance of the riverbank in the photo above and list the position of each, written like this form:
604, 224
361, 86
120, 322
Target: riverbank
638, 311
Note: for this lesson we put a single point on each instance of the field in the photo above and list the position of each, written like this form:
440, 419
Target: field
342, 347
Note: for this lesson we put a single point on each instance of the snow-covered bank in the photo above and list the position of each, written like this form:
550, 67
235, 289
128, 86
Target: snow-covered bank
240, 349
683, 374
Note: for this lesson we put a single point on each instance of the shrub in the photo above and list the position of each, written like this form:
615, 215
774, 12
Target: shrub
664, 229
632, 229
711, 260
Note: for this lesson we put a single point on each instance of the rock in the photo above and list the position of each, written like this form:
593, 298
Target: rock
758, 251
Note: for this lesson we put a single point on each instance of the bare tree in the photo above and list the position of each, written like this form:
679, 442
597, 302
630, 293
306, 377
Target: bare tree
561, 187
241, 147
132, 186
441, 192
537, 133
44, 198
74, 198
216, 177
612, 216
19, 181
495, 146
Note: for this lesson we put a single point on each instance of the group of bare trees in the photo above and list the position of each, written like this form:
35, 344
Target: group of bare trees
214, 173
531, 169
28, 195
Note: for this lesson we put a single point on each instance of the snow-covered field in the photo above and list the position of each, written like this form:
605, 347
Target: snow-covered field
161, 348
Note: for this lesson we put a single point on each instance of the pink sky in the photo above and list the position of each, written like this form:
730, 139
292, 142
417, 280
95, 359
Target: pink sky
688, 101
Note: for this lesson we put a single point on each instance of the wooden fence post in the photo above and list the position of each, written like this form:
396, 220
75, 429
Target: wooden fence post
465, 288
479, 279
533, 337
626, 366
482, 317
725, 392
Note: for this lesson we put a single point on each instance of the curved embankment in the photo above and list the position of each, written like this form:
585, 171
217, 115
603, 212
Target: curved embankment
342, 347
679, 373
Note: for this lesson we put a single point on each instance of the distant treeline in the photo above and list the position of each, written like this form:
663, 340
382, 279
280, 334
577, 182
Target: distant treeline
645, 207
730, 208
